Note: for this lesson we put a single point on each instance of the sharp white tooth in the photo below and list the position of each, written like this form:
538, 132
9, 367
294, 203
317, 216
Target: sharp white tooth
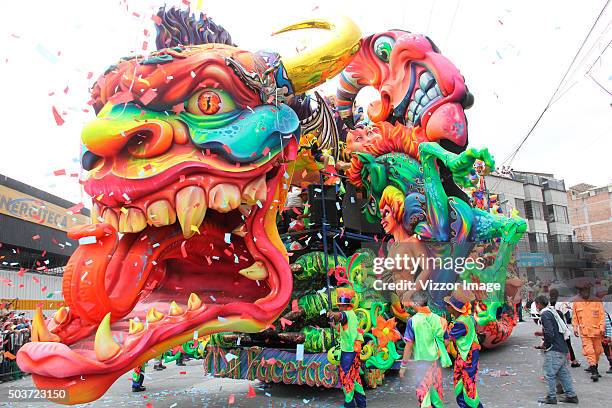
224, 197
255, 191
413, 106
410, 115
190, 209
424, 101
95, 213
194, 302
104, 344
161, 213
40, 331
424, 79
175, 310
110, 217
240, 230
136, 326
432, 93
257, 271
437, 88
154, 316
132, 220
418, 94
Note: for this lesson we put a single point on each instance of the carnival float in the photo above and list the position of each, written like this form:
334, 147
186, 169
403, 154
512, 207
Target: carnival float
188, 164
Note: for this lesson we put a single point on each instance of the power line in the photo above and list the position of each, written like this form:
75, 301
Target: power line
452, 24
511, 157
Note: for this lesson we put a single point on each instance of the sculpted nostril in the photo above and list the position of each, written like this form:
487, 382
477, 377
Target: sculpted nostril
89, 160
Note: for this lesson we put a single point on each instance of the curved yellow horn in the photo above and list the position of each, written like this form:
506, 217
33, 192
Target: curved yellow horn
320, 62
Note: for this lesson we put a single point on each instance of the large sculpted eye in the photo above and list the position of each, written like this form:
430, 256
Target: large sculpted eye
383, 46
210, 102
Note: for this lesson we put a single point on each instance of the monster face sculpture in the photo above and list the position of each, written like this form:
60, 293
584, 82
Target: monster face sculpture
418, 86
188, 162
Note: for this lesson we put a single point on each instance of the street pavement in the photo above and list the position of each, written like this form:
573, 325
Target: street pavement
510, 376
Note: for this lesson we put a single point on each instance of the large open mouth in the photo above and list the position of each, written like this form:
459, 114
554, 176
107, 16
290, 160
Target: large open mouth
200, 253
423, 93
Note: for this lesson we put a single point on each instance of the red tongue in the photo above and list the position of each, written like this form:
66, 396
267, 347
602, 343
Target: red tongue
448, 122
107, 276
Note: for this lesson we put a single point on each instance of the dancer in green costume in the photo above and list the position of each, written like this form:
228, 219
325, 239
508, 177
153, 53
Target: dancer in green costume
424, 338
350, 348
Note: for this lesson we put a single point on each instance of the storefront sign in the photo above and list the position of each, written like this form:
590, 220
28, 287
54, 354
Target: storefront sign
19, 205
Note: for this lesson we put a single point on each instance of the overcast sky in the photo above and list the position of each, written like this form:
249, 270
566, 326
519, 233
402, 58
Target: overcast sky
512, 54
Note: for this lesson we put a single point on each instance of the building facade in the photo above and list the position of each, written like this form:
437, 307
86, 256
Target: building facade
590, 211
541, 199
34, 246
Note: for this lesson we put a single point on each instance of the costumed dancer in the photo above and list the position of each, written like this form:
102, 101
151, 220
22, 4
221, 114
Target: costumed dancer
350, 348
424, 339
462, 332
589, 324
138, 379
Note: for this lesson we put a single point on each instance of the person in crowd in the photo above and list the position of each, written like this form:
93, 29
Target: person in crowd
607, 342
424, 337
138, 379
351, 340
554, 331
564, 311
518, 303
589, 324
159, 363
462, 332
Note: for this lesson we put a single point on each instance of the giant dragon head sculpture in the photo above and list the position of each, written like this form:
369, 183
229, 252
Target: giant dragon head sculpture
188, 160
418, 86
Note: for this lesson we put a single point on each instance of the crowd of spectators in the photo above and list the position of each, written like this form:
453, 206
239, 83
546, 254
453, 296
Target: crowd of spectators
15, 331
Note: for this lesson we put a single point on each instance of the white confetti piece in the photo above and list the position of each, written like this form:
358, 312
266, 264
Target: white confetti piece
127, 197
87, 240
89, 262
228, 238
322, 312
214, 299
230, 357
299, 352
84, 275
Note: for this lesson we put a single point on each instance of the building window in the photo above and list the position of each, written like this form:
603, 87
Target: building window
520, 206
534, 210
553, 184
560, 244
557, 213
538, 242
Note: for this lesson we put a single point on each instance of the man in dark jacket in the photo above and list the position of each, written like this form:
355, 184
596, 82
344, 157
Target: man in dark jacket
555, 350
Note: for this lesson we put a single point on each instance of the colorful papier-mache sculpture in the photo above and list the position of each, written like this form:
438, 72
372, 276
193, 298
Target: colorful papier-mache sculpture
189, 158
414, 169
